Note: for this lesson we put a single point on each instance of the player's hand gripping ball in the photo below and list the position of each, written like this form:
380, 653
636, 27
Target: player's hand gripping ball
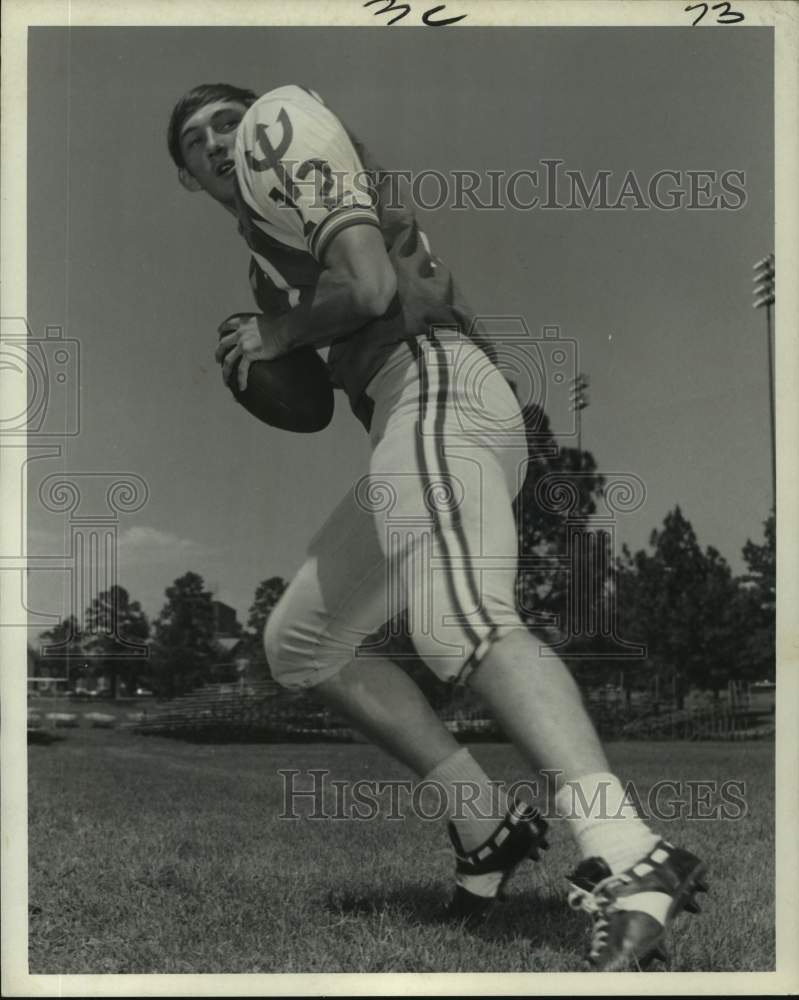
292, 392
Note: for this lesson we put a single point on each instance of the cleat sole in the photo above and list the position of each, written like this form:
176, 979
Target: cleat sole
684, 896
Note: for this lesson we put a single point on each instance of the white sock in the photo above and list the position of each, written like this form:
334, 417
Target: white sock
476, 804
604, 821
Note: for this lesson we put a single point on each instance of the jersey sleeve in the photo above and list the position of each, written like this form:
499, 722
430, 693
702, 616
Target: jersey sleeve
299, 174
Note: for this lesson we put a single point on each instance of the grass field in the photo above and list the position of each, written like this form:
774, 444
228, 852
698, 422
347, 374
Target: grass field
149, 855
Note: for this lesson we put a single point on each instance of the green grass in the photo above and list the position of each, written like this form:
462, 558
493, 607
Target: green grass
149, 855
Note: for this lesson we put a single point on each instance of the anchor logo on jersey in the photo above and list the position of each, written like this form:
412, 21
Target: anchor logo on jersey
272, 155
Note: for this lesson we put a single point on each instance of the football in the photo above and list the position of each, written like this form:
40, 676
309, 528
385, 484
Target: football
291, 393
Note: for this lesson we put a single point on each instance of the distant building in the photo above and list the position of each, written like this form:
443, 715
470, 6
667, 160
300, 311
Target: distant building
231, 645
250, 665
762, 695
43, 676
225, 621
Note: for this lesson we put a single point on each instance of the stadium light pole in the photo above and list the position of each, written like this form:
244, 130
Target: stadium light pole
579, 399
764, 280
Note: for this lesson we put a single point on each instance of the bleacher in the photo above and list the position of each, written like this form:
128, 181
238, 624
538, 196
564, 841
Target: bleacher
261, 711
737, 712
722, 723
471, 724
246, 711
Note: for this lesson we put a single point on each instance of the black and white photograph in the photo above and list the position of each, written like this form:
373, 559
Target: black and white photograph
399, 498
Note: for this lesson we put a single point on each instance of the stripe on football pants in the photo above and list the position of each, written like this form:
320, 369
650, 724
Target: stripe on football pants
433, 465
443, 465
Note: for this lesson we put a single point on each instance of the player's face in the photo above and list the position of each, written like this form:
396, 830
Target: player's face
206, 141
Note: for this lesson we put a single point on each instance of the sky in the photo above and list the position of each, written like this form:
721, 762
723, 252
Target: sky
140, 272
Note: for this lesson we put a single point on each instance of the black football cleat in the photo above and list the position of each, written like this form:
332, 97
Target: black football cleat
520, 835
632, 911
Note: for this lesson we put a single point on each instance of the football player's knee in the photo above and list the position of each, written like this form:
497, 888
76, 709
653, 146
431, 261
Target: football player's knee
296, 651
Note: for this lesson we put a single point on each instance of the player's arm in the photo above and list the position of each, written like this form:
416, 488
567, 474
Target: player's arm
357, 284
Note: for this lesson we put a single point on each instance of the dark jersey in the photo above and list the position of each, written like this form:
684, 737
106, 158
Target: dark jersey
302, 180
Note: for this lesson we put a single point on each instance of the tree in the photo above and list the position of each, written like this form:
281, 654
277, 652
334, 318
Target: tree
117, 630
680, 602
184, 649
553, 510
267, 594
761, 561
61, 650
758, 603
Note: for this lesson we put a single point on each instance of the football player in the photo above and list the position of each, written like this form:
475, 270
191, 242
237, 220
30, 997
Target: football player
338, 261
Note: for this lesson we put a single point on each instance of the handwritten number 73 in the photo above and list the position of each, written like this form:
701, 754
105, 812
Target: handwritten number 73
727, 15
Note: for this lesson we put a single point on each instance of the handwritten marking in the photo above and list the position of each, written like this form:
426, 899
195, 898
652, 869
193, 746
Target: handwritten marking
400, 10
727, 15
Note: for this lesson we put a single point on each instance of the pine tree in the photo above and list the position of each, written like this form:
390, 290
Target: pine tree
184, 648
680, 602
117, 630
